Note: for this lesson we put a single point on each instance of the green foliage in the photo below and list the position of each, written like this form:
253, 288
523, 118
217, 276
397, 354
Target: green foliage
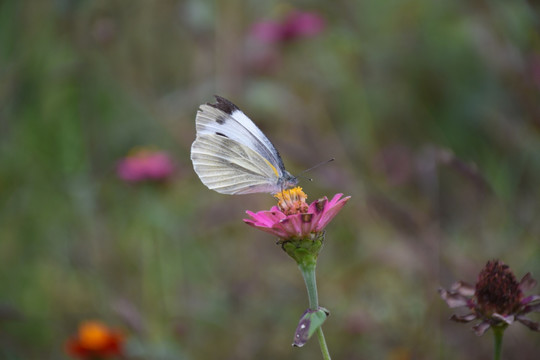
430, 108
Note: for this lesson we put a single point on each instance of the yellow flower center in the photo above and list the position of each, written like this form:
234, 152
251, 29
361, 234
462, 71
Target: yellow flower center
93, 335
292, 201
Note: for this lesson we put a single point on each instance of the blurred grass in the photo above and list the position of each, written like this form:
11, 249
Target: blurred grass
431, 109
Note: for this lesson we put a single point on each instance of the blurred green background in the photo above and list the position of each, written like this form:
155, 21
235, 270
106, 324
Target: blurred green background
431, 109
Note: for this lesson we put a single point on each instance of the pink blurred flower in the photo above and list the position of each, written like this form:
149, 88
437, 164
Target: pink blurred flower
143, 164
267, 31
296, 25
303, 24
293, 218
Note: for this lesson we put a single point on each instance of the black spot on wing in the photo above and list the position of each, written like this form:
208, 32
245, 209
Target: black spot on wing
224, 105
221, 120
221, 134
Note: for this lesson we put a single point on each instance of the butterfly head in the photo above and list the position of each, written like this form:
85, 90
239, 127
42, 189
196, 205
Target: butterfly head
287, 181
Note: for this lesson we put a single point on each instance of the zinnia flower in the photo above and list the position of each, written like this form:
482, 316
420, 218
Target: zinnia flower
143, 164
497, 299
300, 228
95, 341
293, 218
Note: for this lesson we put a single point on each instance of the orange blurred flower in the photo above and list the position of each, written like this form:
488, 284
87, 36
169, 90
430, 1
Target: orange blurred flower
95, 340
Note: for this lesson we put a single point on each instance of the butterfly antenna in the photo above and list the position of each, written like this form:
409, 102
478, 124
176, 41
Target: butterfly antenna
314, 167
303, 177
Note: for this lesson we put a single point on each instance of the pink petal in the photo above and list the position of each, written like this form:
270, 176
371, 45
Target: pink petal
527, 282
307, 224
453, 299
533, 325
276, 230
300, 225
335, 199
329, 214
509, 319
463, 288
463, 319
282, 229
266, 218
481, 328
317, 208
530, 299
532, 308
292, 225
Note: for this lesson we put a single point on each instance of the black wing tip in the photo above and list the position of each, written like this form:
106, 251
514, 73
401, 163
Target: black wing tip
224, 105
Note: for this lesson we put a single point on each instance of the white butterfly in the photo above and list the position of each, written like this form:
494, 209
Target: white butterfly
231, 154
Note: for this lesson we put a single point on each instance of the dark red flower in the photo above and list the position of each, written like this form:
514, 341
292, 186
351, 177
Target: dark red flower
497, 299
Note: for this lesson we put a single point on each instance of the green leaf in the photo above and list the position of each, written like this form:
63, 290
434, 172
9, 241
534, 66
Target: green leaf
309, 322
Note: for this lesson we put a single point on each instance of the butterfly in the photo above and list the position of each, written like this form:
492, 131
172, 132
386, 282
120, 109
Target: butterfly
231, 155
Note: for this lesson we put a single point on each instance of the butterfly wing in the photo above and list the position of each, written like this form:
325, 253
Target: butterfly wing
227, 119
230, 167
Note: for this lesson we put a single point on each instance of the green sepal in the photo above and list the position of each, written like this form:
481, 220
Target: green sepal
304, 251
309, 322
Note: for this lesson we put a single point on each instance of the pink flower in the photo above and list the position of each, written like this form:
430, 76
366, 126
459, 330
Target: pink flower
300, 228
267, 31
296, 25
302, 24
293, 218
145, 165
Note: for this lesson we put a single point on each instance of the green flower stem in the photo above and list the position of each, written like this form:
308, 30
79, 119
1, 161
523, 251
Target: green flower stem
307, 267
497, 337
305, 253
322, 343
308, 272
